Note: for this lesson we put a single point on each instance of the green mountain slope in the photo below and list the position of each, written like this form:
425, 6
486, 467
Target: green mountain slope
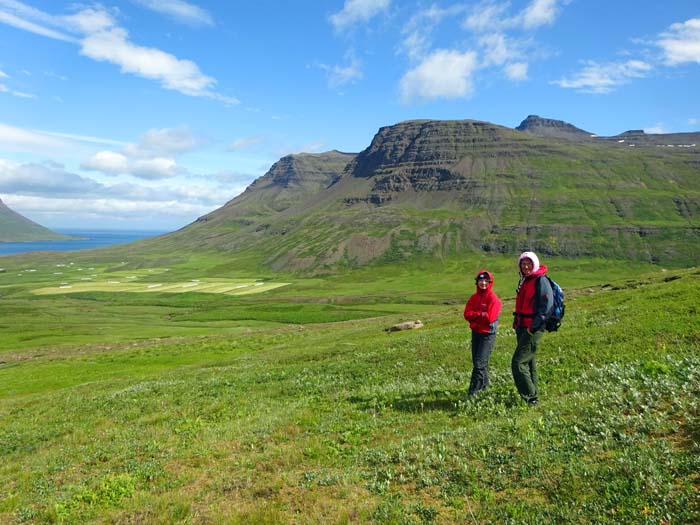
17, 228
446, 188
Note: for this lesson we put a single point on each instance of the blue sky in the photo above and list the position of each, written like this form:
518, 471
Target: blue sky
146, 114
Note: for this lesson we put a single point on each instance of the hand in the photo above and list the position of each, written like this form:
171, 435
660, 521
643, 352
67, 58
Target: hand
529, 332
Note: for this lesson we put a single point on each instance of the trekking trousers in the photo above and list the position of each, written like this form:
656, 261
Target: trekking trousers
524, 365
482, 346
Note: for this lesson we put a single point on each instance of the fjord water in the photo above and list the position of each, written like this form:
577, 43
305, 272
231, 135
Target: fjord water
84, 240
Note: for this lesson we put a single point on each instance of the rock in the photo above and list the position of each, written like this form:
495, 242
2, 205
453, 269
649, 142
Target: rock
408, 325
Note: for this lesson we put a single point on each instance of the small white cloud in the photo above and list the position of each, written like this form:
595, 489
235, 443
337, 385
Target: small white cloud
150, 158
313, 147
107, 162
157, 168
693, 121
540, 13
681, 43
21, 94
418, 30
3, 74
497, 49
488, 16
605, 78
355, 11
516, 71
164, 142
90, 21
244, 143
443, 74
658, 128
341, 75
180, 10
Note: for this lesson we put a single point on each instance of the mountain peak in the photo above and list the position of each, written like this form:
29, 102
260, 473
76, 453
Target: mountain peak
426, 143
551, 128
15, 227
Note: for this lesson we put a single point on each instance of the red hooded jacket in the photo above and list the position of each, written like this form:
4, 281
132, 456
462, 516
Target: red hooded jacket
529, 310
483, 308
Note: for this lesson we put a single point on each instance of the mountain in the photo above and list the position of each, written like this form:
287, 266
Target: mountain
17, 228
546, 127
454, 188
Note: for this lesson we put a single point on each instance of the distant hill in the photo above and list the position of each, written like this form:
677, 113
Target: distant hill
544, 127
453, 188
17, 228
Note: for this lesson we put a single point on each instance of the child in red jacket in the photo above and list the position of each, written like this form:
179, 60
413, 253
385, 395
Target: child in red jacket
482, 311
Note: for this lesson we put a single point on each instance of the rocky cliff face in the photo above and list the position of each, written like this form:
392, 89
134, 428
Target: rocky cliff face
288, 182
423, 156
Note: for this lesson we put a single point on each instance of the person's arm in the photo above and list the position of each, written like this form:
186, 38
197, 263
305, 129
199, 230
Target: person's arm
544, 301
494, 309
469, 313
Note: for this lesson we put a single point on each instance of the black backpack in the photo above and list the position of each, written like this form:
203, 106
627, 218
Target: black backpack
553, 321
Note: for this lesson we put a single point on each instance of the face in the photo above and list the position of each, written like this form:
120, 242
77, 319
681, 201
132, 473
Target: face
526, 266
483, 283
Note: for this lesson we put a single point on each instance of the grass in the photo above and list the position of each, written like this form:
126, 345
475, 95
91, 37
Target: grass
295, 406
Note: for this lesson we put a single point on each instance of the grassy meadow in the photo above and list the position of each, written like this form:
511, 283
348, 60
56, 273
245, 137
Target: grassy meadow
195, 405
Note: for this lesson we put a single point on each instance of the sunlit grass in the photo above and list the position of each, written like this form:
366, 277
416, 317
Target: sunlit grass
340, 422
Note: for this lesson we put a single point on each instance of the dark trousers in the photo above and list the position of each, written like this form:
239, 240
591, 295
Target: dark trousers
524, 365
482, 346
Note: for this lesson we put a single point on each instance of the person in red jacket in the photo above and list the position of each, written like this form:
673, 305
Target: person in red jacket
482, 311
533, 303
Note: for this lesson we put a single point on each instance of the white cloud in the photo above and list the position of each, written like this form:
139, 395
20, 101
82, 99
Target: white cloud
3, 74
681, 43
355, 11
341, 75
156, 168
516, 71
419, 28
693, 121
81, 138
44, 179
164, 142
107, 162
313, 147
443, 74
493, 15
50, 194
150, 158
26, 25
605, 78
52, 181
488, 16
244, 143
19, 94
658, 128
101, 39
180, 75
90, 21
539, 13
180, 10
28, 141
110, 212
497, 49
